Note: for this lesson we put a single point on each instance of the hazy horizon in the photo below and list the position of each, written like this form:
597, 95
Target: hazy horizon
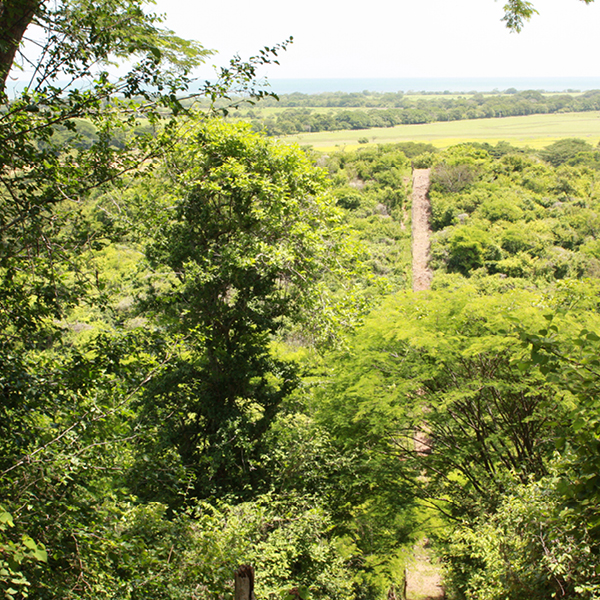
317, 85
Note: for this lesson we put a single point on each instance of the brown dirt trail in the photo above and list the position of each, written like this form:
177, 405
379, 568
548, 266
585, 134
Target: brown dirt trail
423, 578
421, 273
423, 574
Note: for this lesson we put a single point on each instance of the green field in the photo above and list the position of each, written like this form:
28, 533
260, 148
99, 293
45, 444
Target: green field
535, 131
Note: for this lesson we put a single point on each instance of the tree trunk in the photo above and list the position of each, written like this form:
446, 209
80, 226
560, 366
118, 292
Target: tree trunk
244, 583
15, 17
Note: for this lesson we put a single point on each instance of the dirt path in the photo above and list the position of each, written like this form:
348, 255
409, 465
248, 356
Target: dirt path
420, 230
423, 580
423, 576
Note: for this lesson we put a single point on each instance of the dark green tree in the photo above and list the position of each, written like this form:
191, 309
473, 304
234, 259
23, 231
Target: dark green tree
249, 237
564, 150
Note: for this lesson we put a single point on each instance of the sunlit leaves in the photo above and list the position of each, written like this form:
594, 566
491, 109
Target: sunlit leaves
516, 12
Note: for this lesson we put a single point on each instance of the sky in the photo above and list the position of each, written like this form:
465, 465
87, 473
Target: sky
395, 38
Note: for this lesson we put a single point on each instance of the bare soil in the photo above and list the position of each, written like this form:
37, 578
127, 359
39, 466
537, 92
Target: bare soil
421, 209
423, 578
423, 575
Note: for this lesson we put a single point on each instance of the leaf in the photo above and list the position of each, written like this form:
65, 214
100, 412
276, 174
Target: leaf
304, 593
41, 555
6, 517
29, 543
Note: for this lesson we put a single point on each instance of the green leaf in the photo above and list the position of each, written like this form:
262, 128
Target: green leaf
28, 542
6, 517
41, 555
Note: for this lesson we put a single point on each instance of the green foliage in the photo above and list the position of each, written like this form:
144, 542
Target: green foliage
414, 149
564, 150
516, 12
518, 218
423, 161
532, 546
443, 384
445, 361
501, 209
371, 186
147, 322
286, 541
300, 113
452, 178
13, 555
67, 401
466, 249
568, 358
251, 246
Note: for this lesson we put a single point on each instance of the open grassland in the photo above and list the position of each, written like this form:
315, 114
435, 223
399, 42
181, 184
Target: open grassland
535, 131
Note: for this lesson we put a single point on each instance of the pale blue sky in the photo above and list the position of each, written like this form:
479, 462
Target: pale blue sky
400, 38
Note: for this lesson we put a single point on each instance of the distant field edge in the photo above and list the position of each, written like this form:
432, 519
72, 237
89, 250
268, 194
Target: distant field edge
535, 131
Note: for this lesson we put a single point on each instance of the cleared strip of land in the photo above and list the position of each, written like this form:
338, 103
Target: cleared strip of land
536, 131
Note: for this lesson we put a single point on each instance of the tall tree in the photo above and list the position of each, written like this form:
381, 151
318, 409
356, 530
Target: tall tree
15, 17
248, 235
65, 411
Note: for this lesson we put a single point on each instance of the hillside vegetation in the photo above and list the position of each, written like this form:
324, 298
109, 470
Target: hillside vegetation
210, 356
494, 371
203, 403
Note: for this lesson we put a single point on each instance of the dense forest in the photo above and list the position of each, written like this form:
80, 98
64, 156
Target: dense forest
211, 356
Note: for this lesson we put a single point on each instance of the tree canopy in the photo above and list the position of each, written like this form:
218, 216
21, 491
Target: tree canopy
186, 381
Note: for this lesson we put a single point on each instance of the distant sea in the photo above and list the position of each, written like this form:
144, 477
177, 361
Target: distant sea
409, 84
435, 84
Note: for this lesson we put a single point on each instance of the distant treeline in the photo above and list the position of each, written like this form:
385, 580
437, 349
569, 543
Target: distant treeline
388, 110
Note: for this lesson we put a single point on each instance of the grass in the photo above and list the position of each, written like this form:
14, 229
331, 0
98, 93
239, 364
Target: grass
535, 131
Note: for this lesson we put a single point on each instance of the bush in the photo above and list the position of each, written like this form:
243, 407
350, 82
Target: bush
501, 209
444, 210
453, 178
285, 540
466, 249
423, 161
562, 150
532, 547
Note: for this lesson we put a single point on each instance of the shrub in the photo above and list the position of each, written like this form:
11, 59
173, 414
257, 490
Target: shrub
466, 249
533, 547
562, 150
453, 178
423, 161
501, 209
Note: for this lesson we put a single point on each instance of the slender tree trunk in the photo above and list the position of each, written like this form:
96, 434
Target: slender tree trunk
15, 17
244, 583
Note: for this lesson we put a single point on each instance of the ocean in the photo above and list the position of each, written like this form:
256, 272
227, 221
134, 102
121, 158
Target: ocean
435, 84
410, 84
